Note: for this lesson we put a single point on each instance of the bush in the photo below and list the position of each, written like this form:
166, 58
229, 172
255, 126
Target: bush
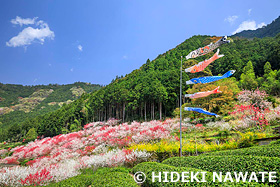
246, 143
109, 177
87, 171
268, 151
248, 139
201, 120
277, 143
149, 167
229, 163
114, 179
165, 149
227, 118
105, 170
77, 181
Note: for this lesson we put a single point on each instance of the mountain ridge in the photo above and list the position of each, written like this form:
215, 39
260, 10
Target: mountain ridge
269, 30
17, 102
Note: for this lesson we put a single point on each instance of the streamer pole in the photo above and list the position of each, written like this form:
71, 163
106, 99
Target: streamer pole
181, 108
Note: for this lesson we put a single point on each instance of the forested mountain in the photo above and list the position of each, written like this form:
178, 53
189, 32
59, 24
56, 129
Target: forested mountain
18, 102
10, 93
152, 91
269, 30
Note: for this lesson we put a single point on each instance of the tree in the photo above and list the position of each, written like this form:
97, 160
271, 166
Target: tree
255, 97
31, 135
132, 97
248, 78
218, 103
270, 81
267, 69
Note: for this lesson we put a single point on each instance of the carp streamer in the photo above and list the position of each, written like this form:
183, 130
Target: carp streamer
200, 110
207, 49
203, 94
202, 65
204, 80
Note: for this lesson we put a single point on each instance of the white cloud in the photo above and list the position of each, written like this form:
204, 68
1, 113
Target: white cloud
80, 47
124, 57
31, 35
248, 25
22, 21
231, 19
249, 11
72, 69
261, 25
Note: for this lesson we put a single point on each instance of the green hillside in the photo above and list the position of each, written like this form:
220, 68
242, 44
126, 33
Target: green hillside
151, 92
269, 30
18, 102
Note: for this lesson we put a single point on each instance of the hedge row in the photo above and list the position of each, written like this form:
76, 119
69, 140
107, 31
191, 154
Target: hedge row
269, 151
109, 177
229, 163
114, 179
277, 143
149, 167
105, 170
77, 181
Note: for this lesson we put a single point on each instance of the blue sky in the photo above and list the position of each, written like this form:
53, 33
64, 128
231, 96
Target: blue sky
62, 42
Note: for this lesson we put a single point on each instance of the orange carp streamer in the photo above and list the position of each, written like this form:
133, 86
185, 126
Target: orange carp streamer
202, 65
203, 94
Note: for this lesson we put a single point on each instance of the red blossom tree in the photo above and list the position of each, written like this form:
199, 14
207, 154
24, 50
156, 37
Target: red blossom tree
253, 107
39, 178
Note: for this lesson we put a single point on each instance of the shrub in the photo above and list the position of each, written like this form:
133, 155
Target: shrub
277, 142
105, 170
114, 179
37, 179
248, 139
268, 151
87, 171
251, 114
109, 177
189, 147
227, 118
248, 142
229, 163
201, 120
77, 181
149, 167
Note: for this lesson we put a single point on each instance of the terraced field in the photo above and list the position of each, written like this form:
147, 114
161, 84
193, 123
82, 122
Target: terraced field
254, 159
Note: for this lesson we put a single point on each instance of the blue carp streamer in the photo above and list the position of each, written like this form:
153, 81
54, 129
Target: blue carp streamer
204, 80
200, 110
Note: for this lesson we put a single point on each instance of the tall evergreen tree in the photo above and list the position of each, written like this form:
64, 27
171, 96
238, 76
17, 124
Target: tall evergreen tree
248, 77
